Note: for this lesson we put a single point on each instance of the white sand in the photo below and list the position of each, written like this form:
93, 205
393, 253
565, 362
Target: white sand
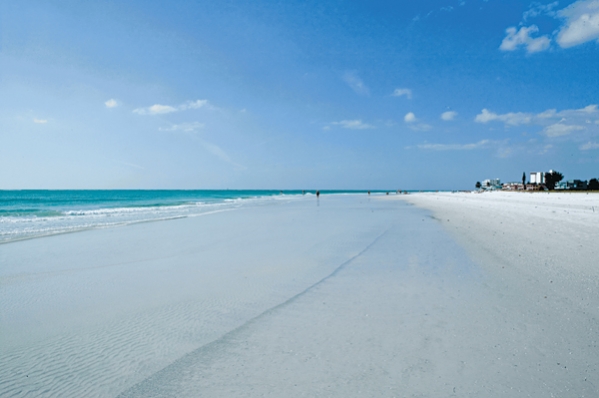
355, 297
547, 237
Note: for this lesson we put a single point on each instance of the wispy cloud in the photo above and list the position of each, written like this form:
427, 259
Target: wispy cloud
555, 124
158, 109
133, 165
111, 103
560, 129
220, 153
545, 149
437, 11
355, 83
515, 39
40, 121
511, 118
589, 145
216, 151
549, 116
537, 9
420, 127
414, 124
457, 147
356, 124
184, 127
400, 92
449, 115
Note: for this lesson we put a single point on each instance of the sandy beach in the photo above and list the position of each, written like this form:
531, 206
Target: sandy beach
419, 295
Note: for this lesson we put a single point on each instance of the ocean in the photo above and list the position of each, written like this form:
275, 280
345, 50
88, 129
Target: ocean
34, 213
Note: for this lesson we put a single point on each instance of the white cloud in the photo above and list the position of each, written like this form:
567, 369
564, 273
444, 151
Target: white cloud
589, 109
569, 114
574, 123
353, 124
185, 127
560, 129
111, 103
549, 113
542, 118
456, 147
40, 121
401, 92
589, 145
539, 44
412, 120
355, 83
159, 109
449, 115
581, 23
515, 38
512, 118
156, 109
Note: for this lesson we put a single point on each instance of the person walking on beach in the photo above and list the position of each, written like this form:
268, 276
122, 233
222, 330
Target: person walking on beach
317, 194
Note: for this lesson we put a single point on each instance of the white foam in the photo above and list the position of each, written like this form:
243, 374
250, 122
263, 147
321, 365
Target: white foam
16, 228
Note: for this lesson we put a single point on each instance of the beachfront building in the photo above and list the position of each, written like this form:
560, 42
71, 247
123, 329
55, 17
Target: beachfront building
512, 186
571, 185
491, 184
537, 177
536, 187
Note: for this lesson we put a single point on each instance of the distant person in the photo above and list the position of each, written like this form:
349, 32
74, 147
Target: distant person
387, 193
368, 192
317, 194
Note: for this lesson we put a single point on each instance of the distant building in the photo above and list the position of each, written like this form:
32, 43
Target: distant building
491, 184
571, 185
537, 177
540, 187
512, 186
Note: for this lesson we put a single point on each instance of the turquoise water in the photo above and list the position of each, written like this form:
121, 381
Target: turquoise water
31, 213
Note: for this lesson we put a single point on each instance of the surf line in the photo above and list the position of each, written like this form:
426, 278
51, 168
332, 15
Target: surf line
141, 388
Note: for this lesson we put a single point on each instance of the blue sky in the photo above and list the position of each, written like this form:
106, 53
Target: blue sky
296, 94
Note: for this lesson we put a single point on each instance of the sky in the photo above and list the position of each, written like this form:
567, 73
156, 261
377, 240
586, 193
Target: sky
308, 94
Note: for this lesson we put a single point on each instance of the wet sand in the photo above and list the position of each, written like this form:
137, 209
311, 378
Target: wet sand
355, 296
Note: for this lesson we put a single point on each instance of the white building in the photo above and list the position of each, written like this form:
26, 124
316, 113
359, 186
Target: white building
537, 177
492, 184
